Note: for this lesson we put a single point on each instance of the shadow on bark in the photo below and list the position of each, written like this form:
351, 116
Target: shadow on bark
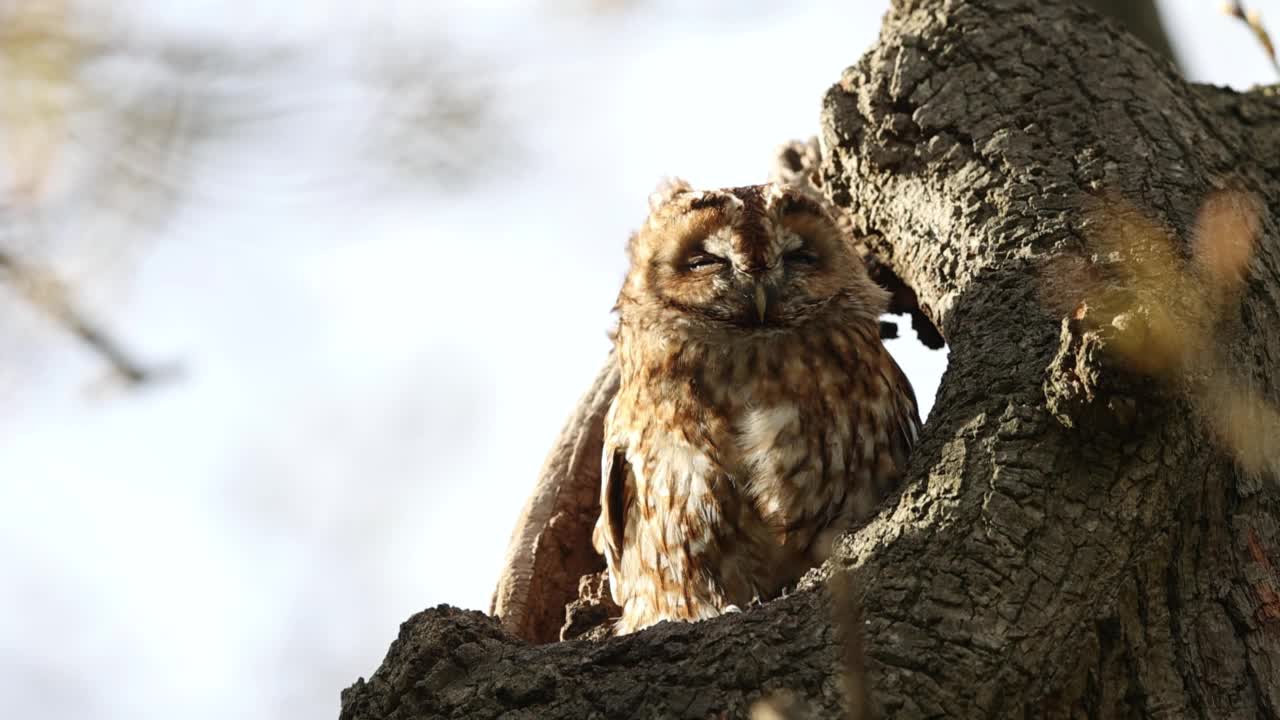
1078, 537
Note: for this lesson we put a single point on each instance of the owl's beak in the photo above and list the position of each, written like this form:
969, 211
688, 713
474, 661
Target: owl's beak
762, 301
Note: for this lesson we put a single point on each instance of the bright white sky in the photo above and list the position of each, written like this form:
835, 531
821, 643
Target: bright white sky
373, 365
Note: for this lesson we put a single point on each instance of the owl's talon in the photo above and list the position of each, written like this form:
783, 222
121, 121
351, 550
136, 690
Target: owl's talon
730, 609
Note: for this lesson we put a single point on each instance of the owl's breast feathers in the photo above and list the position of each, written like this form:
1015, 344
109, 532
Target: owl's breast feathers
729, 470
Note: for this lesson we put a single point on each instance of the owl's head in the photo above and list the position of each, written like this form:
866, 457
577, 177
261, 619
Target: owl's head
761, 257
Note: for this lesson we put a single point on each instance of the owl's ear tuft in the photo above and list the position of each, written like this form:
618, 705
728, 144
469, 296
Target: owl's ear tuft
666, 191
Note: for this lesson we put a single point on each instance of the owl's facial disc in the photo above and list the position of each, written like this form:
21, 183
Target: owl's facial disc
756, 257
749, 274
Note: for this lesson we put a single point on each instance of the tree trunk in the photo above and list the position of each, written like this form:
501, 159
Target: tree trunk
1090, 524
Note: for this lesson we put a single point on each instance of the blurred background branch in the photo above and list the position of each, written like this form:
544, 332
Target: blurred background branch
47, 293
107, 132
1252, 19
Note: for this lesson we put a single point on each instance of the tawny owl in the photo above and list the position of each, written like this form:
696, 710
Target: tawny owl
758, 416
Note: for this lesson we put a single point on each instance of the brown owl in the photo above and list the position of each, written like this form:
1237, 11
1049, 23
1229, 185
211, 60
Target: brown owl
758, 416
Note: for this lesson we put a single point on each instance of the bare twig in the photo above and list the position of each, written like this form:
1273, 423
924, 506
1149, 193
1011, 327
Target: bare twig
847, 619
43, 290
846, 608
1253, 19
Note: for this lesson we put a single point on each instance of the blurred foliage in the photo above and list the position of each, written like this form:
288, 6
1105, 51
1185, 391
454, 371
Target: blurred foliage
435, 117
39, 61
1163, 306
105, 133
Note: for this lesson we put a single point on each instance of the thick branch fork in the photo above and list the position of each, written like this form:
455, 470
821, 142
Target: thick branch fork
1046, 558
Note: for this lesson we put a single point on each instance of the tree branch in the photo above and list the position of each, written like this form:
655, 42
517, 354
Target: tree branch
1073, 539
48, 294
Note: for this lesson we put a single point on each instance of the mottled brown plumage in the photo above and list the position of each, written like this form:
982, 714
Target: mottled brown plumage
758, 416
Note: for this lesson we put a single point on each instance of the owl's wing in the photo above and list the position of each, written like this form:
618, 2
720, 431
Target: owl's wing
615, 496
907, 411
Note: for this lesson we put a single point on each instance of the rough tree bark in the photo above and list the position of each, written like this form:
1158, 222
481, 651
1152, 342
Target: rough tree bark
1090, 527
1142, 19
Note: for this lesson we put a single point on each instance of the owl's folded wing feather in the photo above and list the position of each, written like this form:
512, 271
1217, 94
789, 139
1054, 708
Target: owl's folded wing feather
615, 496
907, 411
